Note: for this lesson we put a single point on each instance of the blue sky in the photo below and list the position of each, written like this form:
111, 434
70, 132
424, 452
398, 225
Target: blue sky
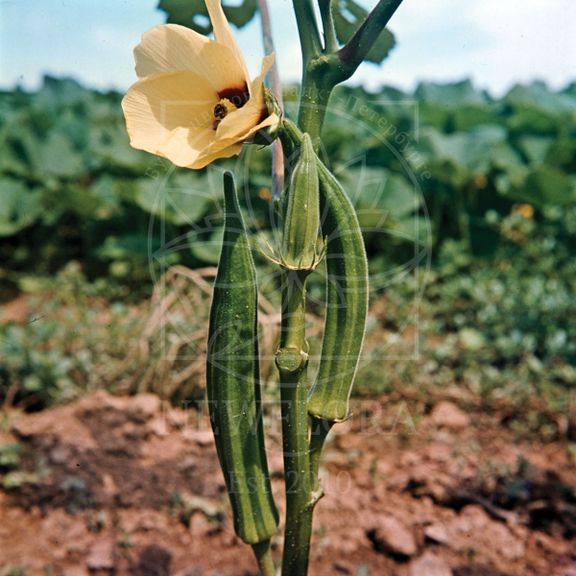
494, 42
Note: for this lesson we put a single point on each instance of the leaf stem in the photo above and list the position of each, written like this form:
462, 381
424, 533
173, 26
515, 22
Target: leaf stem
319, 430
307, 30
356, 49
264, 558
312, 107
330, 41
268, 41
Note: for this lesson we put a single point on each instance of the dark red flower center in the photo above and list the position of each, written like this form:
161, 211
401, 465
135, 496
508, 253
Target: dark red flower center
238, 96
230, 99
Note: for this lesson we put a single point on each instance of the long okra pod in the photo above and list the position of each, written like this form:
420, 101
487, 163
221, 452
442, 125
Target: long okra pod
233, 384
346, 293
346, 302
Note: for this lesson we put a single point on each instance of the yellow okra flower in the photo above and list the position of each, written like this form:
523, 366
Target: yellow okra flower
194, 101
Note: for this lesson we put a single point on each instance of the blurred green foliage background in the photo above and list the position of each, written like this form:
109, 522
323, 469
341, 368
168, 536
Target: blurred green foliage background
478, 193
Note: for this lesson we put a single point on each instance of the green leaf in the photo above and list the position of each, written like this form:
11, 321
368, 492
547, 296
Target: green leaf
108, 192
10, 159
19, 206
451, 94
75, 128
377, 187
10, 455
538, 96
193, 13
546, 186
58, 158
206, 249
472, 152
60, 93
468, 117
471, 339
68, 198
348, 16
110, 147
18, 478
20, 149
382, 199
415, 229
180, 200
535, 148
126, 246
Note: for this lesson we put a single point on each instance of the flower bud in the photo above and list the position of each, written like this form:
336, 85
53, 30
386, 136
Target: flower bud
302, 216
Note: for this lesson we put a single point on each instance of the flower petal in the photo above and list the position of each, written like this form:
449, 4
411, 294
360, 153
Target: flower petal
171, 115
223, 33
224, 148
170, 47
185, 147
271, 120
240, 123
255, 87
209, 155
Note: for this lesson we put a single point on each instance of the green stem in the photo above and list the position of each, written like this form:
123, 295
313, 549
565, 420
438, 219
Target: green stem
307, 30
314, 96
264, 558
319, 432
290, 136
294, 310
322, 72
356, 49
330, 41
298, 530
292, 360
302, 449
313, 103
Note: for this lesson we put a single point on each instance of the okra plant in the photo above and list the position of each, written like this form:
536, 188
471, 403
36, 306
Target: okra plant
194, 103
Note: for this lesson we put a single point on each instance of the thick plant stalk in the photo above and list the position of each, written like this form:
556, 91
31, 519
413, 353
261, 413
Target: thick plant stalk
233, 387
298, 258
307, 29
292, 362
264, 558
347, 303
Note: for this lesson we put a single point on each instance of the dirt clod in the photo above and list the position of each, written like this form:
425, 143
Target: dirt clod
154, 561
449, 415
429, 564
392, 537
101, 555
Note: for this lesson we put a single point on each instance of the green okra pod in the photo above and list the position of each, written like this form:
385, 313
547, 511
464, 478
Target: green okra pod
346, 302
233, 381
302, 217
